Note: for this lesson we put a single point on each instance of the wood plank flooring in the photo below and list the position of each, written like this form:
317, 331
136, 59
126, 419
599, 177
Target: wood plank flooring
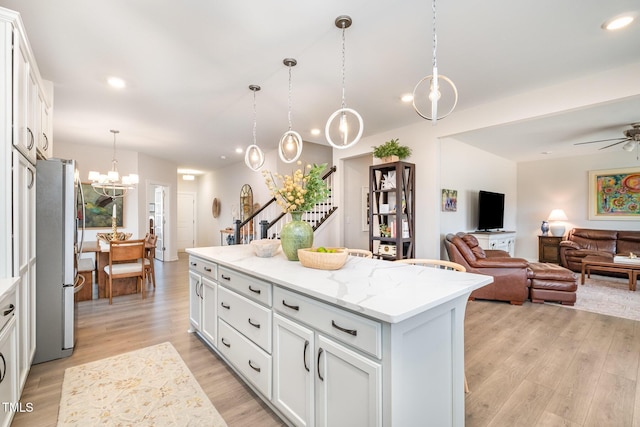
533, 365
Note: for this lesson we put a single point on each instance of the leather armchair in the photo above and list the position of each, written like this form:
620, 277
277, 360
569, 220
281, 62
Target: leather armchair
510, 281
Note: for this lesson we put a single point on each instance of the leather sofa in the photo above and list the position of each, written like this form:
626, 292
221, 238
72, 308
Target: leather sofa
514, 279
581, 242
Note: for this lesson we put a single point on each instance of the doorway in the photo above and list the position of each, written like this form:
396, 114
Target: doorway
160, 196
186, 221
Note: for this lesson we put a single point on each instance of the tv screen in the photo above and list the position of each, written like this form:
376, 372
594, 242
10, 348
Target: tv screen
490, 210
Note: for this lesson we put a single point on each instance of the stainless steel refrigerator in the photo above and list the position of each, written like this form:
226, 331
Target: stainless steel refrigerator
59, 235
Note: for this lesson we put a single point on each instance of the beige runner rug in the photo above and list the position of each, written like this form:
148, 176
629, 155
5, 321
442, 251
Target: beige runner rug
147, 387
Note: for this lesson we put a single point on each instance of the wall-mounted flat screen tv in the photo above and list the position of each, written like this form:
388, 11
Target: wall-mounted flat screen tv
490, 210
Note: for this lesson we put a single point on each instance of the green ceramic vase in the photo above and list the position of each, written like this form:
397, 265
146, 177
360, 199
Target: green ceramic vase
296, 234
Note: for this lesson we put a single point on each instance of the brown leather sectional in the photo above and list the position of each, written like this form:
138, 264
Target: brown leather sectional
514, 279
581, 242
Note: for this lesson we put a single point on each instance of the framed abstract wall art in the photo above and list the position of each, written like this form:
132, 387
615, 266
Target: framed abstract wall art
98, 209
614, 194
449, 200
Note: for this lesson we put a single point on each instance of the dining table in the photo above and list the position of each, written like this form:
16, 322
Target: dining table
123, 286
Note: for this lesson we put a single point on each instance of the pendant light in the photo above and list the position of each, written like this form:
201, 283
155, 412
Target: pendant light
435, 84
290, 147
254, 157
342, 121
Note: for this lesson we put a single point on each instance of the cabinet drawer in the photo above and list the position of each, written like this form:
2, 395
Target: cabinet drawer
251, 319
251, 287
249, 359
362, 333
206, 268
7, 308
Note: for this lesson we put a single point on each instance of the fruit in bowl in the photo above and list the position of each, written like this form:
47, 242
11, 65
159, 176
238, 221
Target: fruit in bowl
265, 248
323, 258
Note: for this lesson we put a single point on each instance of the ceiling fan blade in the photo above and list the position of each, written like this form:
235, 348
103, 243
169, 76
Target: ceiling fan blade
602, 140
616, 143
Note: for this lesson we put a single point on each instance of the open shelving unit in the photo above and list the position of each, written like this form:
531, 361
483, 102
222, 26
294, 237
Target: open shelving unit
391, 210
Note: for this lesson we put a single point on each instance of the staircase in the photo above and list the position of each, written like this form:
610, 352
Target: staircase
267, 222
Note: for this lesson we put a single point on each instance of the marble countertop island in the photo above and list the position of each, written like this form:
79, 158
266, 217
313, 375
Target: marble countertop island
383, 290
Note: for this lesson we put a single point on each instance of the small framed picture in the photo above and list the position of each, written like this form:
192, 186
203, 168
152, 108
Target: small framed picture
449, 200
384, 208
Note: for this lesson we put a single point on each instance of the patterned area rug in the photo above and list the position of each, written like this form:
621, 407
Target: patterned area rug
147, 387
608, 295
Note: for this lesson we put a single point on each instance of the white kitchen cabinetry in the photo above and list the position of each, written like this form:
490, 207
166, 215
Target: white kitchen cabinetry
203, 298
24, 234
9, 388
45, 122
498, 240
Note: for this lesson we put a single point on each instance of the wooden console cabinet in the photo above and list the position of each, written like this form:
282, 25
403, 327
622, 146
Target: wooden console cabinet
549, 249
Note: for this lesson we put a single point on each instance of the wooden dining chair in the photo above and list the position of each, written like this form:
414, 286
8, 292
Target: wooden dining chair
443, 265
362, 253
126, 259
150, 255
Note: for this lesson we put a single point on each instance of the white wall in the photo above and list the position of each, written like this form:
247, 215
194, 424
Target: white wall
563, 184
351, 212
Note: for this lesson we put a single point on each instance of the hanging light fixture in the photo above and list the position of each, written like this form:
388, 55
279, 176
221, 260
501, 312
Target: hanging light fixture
111, 184
435, 84
254, 157
290, 147
345, 116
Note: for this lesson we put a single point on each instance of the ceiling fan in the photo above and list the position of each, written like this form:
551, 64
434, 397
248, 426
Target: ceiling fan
631, 139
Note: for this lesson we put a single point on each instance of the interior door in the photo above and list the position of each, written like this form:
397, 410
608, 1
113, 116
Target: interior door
159, 221
186, 221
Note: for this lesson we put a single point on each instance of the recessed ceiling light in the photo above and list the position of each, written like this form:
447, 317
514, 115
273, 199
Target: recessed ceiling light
188, 177
546, 152
116, 82
315, 132
223, 157
407, 97
183, 171
618, 22
239, 150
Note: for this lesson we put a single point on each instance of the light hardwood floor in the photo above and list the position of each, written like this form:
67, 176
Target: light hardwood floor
533, 365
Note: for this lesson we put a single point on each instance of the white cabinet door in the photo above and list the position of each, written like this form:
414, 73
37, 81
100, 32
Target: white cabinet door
293, 371
209, 310
195, 304
348, 387
43, 113
8, 373
23, 137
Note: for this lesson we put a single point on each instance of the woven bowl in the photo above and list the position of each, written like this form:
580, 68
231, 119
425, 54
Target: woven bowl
265, 248
310, 258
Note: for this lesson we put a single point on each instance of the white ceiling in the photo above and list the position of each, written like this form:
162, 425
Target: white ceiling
188, 66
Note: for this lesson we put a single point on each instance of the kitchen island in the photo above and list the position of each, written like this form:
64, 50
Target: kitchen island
375, 343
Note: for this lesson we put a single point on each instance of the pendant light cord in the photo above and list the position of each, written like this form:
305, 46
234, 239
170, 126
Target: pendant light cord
255, 118
289, 114
343, 66
435, 37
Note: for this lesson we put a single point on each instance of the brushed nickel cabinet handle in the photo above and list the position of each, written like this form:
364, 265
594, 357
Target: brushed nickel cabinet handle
304, 355
223, 342
320, 350
292, 307
255, 368
257, 291
225, 305
353, 332
255, 325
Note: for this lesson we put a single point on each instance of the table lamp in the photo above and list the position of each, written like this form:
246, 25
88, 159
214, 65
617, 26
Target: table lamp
556, 224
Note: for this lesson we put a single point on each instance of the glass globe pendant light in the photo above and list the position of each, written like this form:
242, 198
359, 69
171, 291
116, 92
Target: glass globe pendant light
437, 84
254, 157
342, 122
290, 147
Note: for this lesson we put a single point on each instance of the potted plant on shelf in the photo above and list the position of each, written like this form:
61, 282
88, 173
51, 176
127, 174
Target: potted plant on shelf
391, 151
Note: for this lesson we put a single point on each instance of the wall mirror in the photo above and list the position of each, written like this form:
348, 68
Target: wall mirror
246, 202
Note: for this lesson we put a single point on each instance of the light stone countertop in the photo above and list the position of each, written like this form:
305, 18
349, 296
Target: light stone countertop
7, 284
383, 290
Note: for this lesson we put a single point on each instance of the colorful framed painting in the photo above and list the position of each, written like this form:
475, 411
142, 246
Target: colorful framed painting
614, 194
449, 200
98, 209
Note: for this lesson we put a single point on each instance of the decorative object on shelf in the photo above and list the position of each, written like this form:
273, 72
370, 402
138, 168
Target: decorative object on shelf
254, 157
391, 151
556, 224
614, 194
389, 250
296, 234
545, 228
449, 200
215, 208
345, 116
389, 180
107, 237
323, 258
385, 230
296, 194
290, 147
265, 248
435, 87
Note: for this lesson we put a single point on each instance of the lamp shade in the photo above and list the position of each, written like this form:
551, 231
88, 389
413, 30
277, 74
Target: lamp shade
558, 215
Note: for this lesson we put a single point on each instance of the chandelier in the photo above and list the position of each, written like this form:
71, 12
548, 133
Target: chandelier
112, 184
435, 85
346, 117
